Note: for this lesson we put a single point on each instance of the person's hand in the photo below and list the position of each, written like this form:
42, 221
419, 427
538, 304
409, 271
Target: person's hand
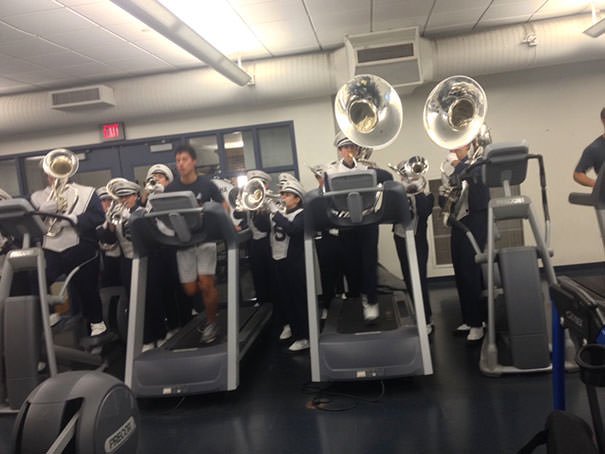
48, 206
461, 153
273, 207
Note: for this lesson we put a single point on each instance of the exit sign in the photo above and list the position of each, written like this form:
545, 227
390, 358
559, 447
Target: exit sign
112, 131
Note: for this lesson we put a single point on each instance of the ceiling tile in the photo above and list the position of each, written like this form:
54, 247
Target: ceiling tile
283, 34
37, 77
133, 31
461, 6
271, 11
320, 7
88, 69
6, 82
118, 51
58, 60
104, 13
168, 51
13, 7
10, 65
507, 11
28, 47
46, 22
139, 64
83, 39
9, 34
554, 8
384, 8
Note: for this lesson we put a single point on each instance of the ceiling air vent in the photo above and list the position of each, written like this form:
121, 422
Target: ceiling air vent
392, 55
82, 98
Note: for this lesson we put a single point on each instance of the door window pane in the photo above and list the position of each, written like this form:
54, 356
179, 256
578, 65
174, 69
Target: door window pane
93, 178
276, 146
8, 176
206, 149
34, 175
239, 151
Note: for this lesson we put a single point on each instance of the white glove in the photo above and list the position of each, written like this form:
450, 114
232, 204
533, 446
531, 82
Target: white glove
273, 207
49, 206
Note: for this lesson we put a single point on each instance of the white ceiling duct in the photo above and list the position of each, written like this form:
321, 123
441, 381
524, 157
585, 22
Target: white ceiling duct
523, 46
279, 80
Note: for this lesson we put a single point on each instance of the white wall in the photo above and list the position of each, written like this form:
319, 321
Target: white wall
555, 109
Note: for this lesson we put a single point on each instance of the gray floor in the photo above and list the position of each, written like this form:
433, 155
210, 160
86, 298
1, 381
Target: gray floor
457, 410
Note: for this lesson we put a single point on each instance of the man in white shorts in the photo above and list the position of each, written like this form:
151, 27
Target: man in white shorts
197, 265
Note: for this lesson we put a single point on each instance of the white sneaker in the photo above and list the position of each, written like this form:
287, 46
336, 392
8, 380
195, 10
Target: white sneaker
54, 319
171, 333
300, 344
286, 333
210, 332
324, 313
475, 334
370, 311
147, 347
429, 329
463, 328
97, 328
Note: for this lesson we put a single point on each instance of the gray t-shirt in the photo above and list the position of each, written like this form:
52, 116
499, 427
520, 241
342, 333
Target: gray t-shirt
593, 156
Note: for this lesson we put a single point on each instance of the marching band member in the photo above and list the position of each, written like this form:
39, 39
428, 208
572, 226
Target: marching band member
470, 210
260, 249
74, 246
162, 269
197, 265
158, 177
360, 244
129, 202
287, 247
423, 208
110, 253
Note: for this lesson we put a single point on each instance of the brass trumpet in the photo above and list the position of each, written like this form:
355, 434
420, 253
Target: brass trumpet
114, 212
254, 196
413, 174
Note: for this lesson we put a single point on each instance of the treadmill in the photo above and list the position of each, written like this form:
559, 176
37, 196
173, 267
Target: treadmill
581, 299
183, 365
346, 348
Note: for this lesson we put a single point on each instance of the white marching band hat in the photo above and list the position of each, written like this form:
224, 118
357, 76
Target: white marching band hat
341, 140
126, 188
259, 174
292, 185
102, 192
162, 169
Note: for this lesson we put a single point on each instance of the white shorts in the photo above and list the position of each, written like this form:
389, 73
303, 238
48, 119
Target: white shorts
196, 261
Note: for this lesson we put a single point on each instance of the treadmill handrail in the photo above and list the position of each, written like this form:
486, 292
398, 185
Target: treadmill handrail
582, 198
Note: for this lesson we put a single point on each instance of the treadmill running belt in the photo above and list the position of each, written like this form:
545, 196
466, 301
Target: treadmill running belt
351, 316
595, 284
193, 338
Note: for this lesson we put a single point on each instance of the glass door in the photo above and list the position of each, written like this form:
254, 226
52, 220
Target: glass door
96, 167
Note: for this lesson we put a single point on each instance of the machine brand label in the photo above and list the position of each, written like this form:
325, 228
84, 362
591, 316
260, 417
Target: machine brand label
574, 319
120, 436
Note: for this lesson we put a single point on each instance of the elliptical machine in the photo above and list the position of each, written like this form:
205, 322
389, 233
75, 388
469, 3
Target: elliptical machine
24, 320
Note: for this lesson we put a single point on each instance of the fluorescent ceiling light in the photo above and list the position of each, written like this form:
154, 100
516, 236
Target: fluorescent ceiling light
596, 29
158, 17
220, 25
598, 25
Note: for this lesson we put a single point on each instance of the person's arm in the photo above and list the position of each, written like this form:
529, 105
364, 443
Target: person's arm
291, 228
93, 216
585, 163
583, 179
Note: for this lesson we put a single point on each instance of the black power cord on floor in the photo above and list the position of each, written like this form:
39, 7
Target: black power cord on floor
326, 400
